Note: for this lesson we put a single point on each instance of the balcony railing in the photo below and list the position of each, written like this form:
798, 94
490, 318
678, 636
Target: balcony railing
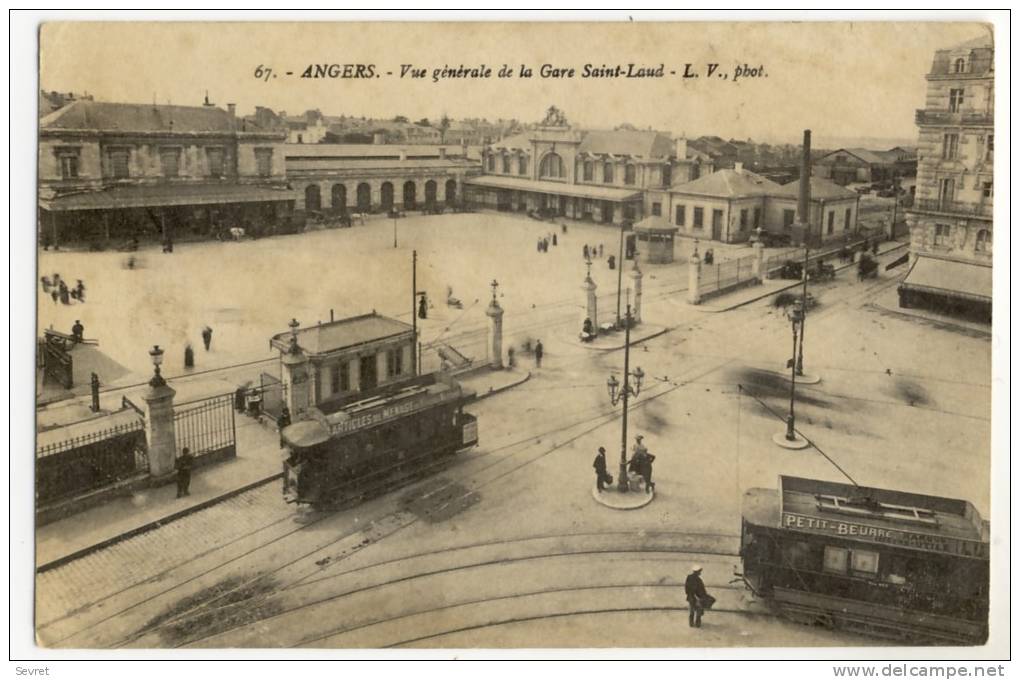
945, 117
952, 207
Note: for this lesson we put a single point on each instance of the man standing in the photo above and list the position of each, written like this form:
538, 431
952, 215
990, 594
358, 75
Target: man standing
282, 422
184, 465
697, 598
78, 331
602, 476
207, 337
539, 351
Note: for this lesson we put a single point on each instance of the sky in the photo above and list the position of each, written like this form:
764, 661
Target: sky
843, 80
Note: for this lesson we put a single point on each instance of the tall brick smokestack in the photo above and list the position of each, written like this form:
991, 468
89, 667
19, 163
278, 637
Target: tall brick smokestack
804, 198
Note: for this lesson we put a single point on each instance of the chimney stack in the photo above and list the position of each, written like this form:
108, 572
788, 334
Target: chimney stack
681, 148
804, 198
232, 109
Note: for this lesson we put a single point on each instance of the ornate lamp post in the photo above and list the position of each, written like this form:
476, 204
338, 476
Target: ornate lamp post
156, 354
616, 394
790, 439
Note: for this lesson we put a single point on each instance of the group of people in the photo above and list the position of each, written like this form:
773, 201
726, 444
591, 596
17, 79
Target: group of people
543, 243
590, 252
189, 353
640, 464
58, 289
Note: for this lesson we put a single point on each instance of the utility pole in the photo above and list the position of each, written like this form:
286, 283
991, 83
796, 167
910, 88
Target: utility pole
804, 216
619, 279
623, 484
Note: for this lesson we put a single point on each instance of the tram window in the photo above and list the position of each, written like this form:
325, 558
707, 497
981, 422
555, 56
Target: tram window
835, 559
864, 561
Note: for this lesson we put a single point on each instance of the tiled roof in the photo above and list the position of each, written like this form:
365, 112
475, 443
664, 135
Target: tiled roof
729, 183
92, 115
821, 188
641, 143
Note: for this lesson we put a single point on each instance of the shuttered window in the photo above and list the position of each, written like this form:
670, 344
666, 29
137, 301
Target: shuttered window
119, 159
264, 162
214, 155
170, 160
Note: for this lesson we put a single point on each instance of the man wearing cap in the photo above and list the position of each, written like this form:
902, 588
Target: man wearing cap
696, 596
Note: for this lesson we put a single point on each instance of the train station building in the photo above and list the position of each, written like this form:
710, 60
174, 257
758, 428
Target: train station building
606, 176
114, 171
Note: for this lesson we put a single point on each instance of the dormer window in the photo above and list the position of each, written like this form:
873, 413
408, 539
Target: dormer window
959, 65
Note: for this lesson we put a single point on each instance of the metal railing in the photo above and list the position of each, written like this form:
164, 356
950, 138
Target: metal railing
952, 207
206, 426
90, 461
727, 274
946, 117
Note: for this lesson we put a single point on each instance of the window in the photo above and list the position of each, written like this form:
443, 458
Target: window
947, 192
960, 65
835, 559
941, 234
491, 163
986, 189
394, 362
506, 165
788, 216
743, 219
264, 162
989, 147
955, 100
830, 226
551, 166
214, 156
589, 171
681, 215
667, 175
864, 561
68, 163
657, 209
716, 220
334, 378
630, 175
522, 165
170, 161
983, 244
950, 146
699, 218
119, 159
757, 218
846, 219
300, 139
607, 173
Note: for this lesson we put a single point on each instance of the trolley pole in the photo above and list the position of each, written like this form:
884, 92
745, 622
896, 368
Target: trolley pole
619, 285
623, 484
803, 307
795, 319
414, 312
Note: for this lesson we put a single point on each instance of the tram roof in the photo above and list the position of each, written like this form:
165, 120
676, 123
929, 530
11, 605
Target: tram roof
900, 518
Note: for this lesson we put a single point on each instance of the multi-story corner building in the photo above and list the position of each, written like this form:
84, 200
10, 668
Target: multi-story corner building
599, 175
951, 219
112, 171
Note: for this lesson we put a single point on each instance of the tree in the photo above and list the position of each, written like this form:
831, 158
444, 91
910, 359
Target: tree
400, 119
424, 122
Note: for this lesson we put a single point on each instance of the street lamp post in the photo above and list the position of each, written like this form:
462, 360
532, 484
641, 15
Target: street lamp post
156, 354
616, 395
803, 315
790, 439
619, 276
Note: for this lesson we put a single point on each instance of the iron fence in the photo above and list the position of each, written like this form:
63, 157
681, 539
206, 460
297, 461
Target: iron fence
725, 275
274, 394
206, 426
74, 466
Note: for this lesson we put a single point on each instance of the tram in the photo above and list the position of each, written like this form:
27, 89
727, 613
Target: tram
890, 563
375, 443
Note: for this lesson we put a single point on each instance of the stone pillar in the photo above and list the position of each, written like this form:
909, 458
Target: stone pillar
758, 263
297, 381
495, 314
635, 277
694, 279
591, 308
159, 428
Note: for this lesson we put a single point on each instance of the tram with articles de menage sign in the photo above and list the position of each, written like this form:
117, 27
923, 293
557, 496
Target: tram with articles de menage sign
889, 563
374, 444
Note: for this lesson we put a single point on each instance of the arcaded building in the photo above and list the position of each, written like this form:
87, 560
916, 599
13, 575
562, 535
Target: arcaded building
951, 219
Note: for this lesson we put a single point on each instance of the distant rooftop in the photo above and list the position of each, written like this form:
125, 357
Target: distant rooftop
85, 114
821, 188
729, 183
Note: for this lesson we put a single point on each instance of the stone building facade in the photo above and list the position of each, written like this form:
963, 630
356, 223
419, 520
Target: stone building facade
112, 171
368, 178
951, 218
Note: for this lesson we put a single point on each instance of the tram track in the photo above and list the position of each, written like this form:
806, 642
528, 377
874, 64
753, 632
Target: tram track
606, 416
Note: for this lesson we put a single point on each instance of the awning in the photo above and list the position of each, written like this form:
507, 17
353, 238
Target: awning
972, 281
139, 196
557, 188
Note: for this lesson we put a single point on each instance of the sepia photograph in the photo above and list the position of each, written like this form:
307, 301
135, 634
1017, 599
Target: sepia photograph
415, 335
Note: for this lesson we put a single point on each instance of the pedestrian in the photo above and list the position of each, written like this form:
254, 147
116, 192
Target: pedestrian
564, 226
698, 600
585, 251
602, 476
80, 288
545, 245
539, 245
600, 250
184, 465
55, 293
207, 337
554, 239
538, 354
45, 284
78, 331
189, 356
65, 294
282, 422
423, 307
511, 359
641, 463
